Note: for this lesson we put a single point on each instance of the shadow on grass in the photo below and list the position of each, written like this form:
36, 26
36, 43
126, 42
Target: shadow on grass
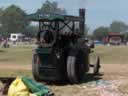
88, 78
91, 77
2, 51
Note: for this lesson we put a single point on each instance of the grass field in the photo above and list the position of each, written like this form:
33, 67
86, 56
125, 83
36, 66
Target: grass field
22, 57
112, 54
16, 56
16, 61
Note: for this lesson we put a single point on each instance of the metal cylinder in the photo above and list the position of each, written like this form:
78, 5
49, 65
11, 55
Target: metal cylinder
82, 22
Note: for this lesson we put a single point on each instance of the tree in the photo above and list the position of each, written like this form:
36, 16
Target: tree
1, 13
118, 26
31, 30
13, 20
51, 7
100, 33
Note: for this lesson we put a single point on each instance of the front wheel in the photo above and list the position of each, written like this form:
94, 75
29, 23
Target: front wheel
97, 66
76, 67
35, 67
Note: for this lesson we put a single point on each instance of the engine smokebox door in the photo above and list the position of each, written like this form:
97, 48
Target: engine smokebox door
48, 67
44, 54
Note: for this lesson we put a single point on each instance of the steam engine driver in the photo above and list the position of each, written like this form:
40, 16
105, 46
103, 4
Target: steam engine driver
45, 37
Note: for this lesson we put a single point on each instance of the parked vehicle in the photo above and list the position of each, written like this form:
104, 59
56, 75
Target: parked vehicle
62, 54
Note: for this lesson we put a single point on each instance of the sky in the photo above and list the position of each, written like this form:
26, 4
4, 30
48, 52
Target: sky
98, 12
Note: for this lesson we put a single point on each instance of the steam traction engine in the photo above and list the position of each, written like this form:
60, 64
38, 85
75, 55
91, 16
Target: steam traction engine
62, 52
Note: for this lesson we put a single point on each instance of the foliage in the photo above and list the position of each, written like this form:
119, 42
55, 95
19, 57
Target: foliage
100, 33
51, 7
1, 13
118, 26
115, 26
31, 30
126, 36
13, 20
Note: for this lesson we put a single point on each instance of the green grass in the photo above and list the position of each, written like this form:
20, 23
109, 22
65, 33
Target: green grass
23, 56
15, 73
16, 55
112, 54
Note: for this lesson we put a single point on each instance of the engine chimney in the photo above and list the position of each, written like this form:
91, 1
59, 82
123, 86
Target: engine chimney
82, 23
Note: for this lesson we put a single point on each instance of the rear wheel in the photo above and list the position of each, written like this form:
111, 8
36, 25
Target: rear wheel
75, 67
71, 69
35, 67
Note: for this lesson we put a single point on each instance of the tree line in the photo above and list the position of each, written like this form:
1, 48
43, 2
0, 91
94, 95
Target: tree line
13, 19
116, 26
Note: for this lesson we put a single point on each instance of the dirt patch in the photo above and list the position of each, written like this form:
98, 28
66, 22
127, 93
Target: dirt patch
124, 88
113, 73
109, 71
74, 90
15, 67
